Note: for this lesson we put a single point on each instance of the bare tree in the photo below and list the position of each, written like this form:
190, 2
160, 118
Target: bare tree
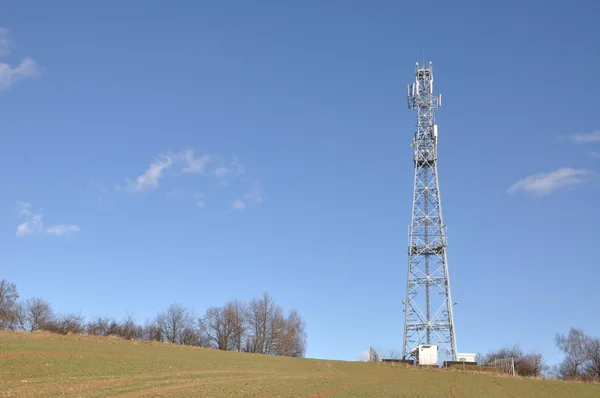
276, 334
114, 329
290, 337
526, 364
271, 332
259, 326
217, 325
264, 317
34, 313
128, 328
139, 333
150, 331
573, 347
195, 337
100, 326
531, 364
72, 323
237, 318
592, 353
257, 321
8, 305
66, 323
173, 321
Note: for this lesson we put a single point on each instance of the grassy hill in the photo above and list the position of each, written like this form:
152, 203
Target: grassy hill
47, 365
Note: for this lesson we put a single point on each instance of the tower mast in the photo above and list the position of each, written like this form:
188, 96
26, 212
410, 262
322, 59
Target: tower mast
428, 305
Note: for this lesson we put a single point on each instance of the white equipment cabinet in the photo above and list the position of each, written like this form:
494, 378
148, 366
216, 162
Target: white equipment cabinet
465, 357
426, 354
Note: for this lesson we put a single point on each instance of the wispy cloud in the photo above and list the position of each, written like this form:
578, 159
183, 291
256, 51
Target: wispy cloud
191, 164
255, 196
60, 230
34, 223
99, 190
149, 180
23, 209
221, 172
595, 154
585, 138
32, 226
256, 193
176, 164
545, 183
238, 204
199, 198
27, 68
5, 43
235, 168
195, 165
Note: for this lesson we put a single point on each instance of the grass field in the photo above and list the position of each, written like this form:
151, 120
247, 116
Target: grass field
47, 365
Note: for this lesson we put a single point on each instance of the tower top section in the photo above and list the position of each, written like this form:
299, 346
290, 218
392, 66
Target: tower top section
420, 93
424, 68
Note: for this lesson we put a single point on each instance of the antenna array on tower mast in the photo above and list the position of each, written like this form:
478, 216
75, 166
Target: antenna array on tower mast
428, 306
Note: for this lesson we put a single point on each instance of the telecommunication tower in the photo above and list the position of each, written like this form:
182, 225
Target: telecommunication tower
428, 306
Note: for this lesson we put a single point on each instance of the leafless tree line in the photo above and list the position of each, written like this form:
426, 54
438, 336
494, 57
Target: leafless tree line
259, 326
581, 356
526, 364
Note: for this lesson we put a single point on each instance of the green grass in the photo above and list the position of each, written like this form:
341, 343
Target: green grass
47, 365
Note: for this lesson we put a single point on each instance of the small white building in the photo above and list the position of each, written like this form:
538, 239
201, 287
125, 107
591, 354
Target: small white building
426, 354
465, 357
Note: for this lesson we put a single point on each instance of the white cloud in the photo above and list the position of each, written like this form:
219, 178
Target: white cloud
256, 194
235, 168
199, 197
595, 154
60, 230
34, 225
238, 204
149, 180
545, 183
221, 171
26, 69
23, 208
5, 43
156, 170
585, 137
194, 165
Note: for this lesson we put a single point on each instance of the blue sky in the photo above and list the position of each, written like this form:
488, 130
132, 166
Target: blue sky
204, 151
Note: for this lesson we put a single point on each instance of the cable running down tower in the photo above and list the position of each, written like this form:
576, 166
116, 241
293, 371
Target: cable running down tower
428, 304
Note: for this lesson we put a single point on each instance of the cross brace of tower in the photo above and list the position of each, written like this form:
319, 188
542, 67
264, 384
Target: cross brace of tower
428, 306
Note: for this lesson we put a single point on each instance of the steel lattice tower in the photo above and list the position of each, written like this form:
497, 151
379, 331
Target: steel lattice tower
428, 305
